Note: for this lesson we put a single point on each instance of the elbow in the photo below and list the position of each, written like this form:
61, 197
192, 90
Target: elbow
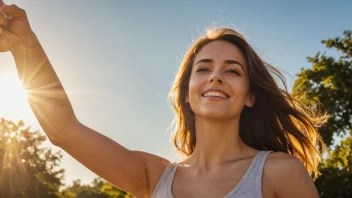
54, 141
62, 134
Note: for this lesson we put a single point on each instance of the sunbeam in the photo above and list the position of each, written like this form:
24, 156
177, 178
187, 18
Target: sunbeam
13, 98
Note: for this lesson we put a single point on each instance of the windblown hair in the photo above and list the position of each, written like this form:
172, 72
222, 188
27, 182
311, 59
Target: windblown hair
278, 121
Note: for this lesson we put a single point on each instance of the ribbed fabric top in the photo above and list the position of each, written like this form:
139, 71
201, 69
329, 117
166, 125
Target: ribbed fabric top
250, 185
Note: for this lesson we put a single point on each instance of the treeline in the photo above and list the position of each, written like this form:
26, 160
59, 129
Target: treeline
29, 170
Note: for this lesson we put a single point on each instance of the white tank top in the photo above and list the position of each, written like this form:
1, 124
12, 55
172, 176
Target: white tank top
250, 185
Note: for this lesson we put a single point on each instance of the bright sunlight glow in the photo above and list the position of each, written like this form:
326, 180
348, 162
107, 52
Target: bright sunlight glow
13, 98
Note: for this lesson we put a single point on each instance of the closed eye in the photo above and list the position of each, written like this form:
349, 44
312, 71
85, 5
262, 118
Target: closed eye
233, 71
230, 71
202, 69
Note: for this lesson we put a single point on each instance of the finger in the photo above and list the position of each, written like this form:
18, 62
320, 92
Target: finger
3, 17
1, 3
13, 10
2, 13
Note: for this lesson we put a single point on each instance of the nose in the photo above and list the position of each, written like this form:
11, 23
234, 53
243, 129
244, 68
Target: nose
216, 78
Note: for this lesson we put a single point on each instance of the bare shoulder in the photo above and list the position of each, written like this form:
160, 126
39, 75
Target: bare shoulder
155, 166
282, 160
287, 177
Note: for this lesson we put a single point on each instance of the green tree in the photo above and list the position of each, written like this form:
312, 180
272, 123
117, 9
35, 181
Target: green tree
336, 178
329, 82
97, 189
26, 169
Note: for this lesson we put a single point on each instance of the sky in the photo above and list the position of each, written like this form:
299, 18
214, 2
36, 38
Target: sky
117, 59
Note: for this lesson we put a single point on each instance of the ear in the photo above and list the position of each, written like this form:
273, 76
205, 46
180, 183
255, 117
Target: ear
187, 99
250, 101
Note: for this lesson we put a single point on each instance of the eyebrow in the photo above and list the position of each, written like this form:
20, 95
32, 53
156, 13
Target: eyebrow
208, 60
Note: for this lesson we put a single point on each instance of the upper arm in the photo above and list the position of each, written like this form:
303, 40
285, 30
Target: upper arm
289, 178
133, 171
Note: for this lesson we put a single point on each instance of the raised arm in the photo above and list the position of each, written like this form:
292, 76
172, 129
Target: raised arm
133, 171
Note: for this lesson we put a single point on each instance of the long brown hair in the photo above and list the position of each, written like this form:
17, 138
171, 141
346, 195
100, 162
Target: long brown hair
278, 121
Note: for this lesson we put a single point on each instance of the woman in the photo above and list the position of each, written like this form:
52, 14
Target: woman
243, 136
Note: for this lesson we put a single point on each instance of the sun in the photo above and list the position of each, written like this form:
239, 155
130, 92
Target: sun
13, 98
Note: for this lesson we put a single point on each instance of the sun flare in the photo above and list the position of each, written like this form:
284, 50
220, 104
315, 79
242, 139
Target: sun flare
13, 98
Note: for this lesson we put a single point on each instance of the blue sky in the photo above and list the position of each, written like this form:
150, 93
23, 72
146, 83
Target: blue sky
118, 59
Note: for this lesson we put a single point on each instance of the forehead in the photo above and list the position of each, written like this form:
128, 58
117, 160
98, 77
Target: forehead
220, 51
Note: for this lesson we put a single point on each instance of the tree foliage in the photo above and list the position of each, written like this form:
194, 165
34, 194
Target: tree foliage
98, 189
329, 82
27, 170
336, 179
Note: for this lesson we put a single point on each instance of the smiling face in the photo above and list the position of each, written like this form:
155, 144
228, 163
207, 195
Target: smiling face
219, 83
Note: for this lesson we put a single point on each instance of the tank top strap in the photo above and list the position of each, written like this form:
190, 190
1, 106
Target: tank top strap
259, 170
165, 180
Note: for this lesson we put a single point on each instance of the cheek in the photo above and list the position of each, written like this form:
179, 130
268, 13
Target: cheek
239, 91
194, 86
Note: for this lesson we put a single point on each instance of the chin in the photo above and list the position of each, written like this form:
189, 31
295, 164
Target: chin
214, 114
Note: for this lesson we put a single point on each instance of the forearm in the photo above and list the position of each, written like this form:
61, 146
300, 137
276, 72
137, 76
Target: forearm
46, 94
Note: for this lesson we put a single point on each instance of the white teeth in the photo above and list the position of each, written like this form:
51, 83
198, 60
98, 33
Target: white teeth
213, 93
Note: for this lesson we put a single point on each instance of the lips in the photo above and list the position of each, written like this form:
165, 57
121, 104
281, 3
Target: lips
216, 90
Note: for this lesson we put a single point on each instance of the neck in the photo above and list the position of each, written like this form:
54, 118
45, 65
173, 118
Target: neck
218, 142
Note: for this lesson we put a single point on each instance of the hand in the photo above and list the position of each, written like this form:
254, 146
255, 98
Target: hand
13, 28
